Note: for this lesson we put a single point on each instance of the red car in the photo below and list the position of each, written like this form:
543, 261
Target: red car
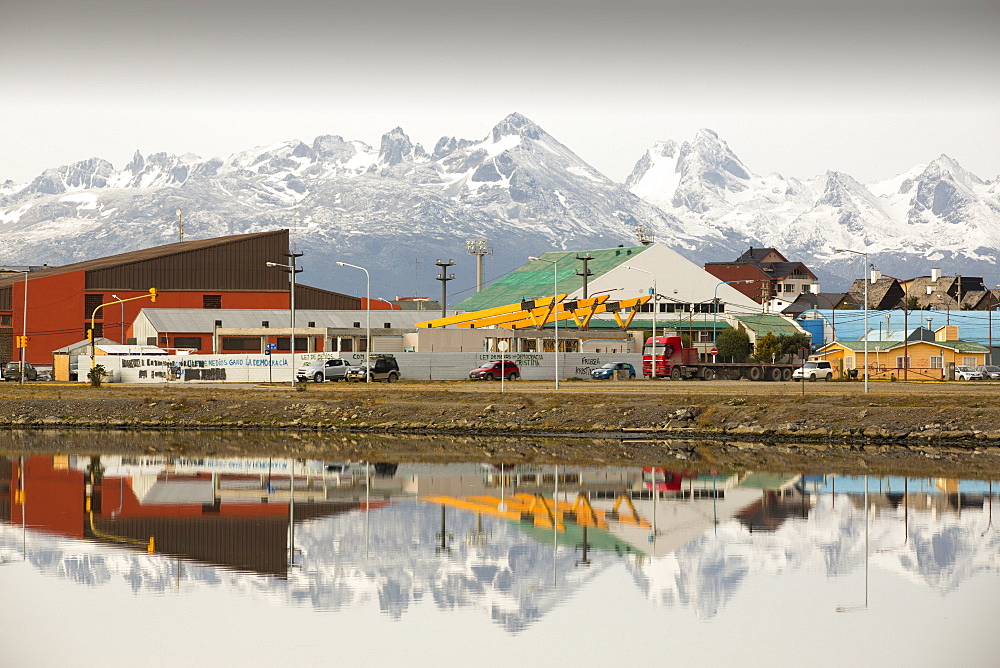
494, 370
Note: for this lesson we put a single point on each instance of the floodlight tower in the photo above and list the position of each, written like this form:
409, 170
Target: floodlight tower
479, 248
645, 235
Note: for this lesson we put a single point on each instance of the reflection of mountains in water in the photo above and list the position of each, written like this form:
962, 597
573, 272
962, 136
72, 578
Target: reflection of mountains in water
392, 558
939, 550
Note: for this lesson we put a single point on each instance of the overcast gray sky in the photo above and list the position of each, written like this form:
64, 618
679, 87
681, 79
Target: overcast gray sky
866, 87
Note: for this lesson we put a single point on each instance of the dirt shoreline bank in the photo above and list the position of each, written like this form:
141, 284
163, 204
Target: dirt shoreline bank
721, 422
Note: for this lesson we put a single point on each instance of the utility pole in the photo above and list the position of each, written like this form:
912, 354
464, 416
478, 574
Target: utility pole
180, 225
586, 272
479, 248
444, 278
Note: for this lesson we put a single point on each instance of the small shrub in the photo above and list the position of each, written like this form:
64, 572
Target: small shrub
96, 375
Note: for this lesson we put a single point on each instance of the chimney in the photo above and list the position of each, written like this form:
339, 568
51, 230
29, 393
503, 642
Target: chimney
814, 288
935, 274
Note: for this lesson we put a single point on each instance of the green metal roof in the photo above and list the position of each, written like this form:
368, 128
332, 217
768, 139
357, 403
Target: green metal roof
535, 279
762, 324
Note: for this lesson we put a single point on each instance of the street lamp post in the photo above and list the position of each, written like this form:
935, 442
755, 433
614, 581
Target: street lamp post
715, 305
368, 318
24, 329
121, 324
652, 359
865, 277
291, 269
555, 306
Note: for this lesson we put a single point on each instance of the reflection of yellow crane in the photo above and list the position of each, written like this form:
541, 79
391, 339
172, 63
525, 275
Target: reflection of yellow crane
150, 545
541, 512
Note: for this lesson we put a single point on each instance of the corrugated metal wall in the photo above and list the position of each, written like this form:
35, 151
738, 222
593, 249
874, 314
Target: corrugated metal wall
307, 297
237, 265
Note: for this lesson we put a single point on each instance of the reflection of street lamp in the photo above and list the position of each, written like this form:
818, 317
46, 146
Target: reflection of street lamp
652, 373
368, 319
290, 268
555, 305
865, 276
856, 608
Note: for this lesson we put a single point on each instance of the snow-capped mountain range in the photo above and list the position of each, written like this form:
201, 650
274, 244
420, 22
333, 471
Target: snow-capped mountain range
398, 208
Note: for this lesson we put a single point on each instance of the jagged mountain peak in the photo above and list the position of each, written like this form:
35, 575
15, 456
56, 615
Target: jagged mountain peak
517, 124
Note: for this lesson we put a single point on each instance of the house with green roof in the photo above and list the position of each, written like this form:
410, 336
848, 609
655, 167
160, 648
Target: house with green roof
906, 359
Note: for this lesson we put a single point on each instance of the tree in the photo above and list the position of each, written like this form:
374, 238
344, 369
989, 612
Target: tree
734, 344
768, 348
792, 344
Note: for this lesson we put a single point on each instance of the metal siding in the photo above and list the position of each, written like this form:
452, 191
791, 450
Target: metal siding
235, 265
308, 297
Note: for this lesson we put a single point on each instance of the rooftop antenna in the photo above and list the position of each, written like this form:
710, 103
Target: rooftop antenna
479, 248
645, 235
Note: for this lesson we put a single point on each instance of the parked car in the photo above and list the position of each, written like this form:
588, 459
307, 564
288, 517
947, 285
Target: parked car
990, 372
614, 370
383, 367
812, 370
323, 369
968, 373
496, 369
13, 371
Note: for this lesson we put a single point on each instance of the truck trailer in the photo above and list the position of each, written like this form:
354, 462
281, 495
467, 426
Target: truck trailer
674, 361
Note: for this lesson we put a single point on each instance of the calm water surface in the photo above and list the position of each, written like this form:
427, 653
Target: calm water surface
117, 560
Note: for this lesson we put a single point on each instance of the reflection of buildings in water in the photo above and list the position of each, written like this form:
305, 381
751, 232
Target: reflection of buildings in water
501, 564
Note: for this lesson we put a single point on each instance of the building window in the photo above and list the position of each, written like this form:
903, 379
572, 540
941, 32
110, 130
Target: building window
789, 287
969, 361
4, 321
848, 362
90, 302
218, 323
346, 344
902, 362
300, 343
357, 324
937, 362
312, 323
150, 340
387, 325
805, 288
265, 323
211, 301
705, 336
241, 344
187, 342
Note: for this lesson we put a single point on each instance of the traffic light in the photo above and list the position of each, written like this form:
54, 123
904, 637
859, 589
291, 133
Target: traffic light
90, 335
152, 291
22, 342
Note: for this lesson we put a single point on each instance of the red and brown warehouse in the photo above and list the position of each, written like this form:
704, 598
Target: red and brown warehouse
220, 273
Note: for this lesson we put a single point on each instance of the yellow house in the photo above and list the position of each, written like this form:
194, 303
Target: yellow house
914, 360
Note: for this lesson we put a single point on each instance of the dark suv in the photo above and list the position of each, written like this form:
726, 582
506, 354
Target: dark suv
496, 369
383, 367
13, 371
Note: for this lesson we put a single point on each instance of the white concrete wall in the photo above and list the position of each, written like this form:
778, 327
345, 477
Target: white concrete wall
277, 368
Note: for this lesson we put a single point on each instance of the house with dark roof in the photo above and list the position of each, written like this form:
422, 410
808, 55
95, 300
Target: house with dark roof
54, 306
948, 293
766, 274
884, 293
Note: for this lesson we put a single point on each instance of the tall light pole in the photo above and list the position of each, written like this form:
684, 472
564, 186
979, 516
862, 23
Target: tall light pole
24, 329
479, 248
715, 304
368, 319
121, 324
444, 277
290, 268
865, 275
555, 305
652, 359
